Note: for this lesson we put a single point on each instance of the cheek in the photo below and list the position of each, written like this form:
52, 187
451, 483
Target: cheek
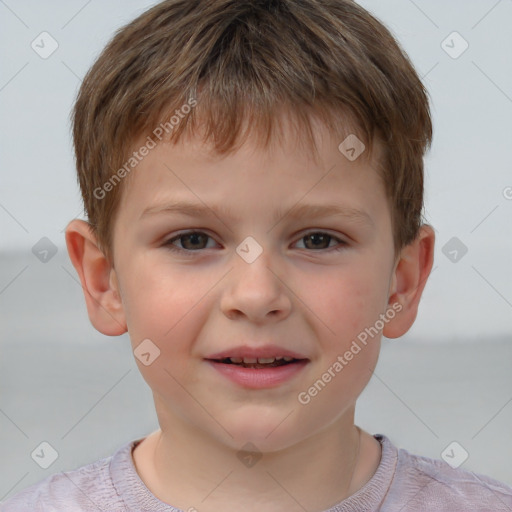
158, 299
349, 300
165, 312
349, 307
168, 308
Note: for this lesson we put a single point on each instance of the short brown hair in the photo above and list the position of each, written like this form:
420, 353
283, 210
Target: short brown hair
248, 60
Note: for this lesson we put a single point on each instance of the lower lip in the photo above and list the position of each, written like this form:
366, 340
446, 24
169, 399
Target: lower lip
258, 378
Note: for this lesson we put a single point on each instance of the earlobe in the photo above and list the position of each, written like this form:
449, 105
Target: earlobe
408, 281
98, 279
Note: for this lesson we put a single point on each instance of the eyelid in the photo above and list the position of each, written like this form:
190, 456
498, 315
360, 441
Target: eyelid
177, 236
342, 243
323, 231
168, 243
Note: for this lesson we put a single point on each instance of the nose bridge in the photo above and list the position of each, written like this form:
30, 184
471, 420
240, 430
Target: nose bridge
254, 262
255, 289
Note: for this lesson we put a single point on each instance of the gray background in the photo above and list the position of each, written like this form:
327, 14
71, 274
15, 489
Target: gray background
448, 379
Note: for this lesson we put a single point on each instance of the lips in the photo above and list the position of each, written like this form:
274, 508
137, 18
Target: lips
258, 367
252, 355
259, 376
260, 362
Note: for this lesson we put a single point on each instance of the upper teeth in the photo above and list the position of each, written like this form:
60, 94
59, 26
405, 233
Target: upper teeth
261, 360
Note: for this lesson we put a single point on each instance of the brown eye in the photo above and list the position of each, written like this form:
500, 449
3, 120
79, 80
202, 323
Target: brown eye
193, 241
196, 240
319, 240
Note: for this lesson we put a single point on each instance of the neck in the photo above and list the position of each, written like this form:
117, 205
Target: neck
186, 469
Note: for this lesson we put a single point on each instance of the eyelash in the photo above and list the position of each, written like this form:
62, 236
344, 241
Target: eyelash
188, 252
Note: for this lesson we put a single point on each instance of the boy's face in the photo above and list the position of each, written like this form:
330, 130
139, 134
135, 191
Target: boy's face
312, 295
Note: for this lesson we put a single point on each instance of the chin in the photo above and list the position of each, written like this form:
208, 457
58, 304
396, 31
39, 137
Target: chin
267, 433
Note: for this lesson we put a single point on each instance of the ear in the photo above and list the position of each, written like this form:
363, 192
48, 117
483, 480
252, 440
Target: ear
408, 281
98, 278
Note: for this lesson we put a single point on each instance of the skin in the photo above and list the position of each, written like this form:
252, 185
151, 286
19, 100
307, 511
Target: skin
300, 294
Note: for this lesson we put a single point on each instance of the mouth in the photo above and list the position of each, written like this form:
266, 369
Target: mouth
259, 372
259, 362
259, 367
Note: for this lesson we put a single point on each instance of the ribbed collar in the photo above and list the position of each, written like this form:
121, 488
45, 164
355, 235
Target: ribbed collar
138, 497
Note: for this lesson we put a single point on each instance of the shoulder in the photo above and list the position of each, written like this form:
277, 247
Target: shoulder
89, 487
422, 483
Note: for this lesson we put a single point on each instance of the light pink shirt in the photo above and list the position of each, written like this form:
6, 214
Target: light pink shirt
403, 482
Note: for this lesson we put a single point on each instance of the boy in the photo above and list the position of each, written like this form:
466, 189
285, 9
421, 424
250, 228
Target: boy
288, 137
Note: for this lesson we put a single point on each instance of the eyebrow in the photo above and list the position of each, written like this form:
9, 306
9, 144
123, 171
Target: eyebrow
303, 211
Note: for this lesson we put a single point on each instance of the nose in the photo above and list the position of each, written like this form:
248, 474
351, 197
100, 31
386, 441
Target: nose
256, 291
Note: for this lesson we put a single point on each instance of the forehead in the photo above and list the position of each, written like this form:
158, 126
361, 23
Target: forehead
191, 171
